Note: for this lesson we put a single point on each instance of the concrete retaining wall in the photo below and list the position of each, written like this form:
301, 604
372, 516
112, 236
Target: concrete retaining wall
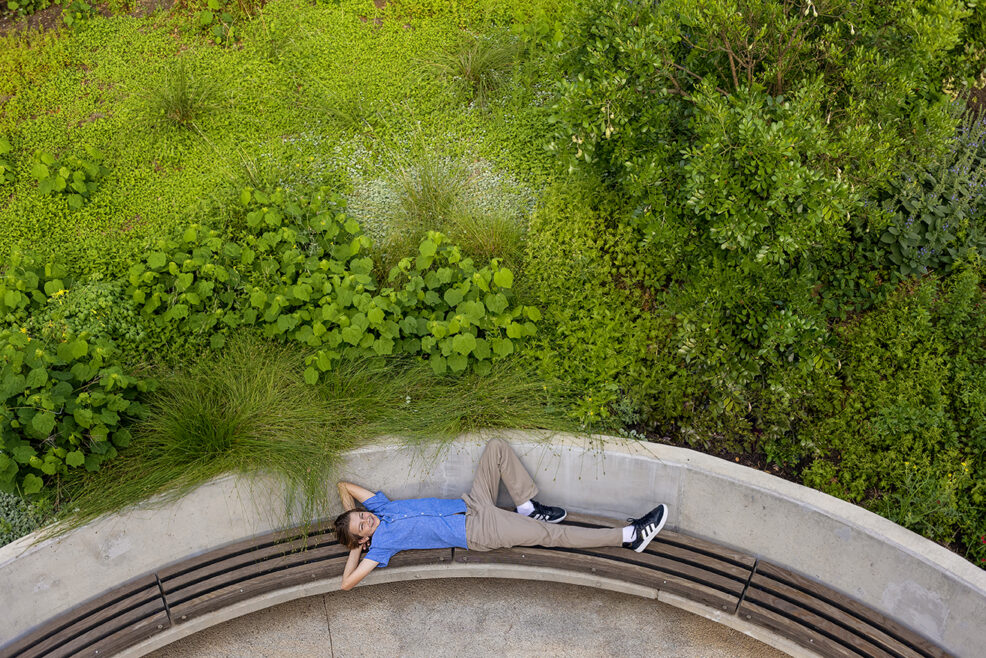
915, 581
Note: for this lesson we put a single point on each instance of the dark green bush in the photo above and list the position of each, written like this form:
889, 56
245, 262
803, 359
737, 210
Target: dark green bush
938, 209
62, 405
629, 75
906, 434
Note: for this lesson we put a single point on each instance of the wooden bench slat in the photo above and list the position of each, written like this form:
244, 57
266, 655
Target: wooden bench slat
767, 572
682, 554
804, 636
76, 620
125, 630
761, 585
734, 582
804, 613
186, 577
227, 595
246, 572
601, 566
146, 601
250, 545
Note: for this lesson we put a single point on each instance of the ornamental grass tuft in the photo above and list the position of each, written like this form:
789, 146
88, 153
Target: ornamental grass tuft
481, 64
248, 411
180, 96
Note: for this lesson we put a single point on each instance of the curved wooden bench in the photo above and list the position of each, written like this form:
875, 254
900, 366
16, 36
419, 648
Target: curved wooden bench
813, 615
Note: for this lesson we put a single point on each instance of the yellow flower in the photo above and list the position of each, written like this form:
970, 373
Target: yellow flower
23, 330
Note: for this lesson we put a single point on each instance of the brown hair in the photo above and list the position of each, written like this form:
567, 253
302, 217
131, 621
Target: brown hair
343, 533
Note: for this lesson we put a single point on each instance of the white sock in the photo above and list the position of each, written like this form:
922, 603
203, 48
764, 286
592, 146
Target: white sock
525, 508
629, 534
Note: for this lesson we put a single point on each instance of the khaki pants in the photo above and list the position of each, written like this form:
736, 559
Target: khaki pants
489, 527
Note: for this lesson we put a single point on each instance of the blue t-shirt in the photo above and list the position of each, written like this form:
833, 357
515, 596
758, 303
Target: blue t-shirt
415, 523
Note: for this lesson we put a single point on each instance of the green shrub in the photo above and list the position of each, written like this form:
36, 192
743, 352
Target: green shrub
620, 111
76, 12
95, 308
299, 272
595, 347
937, 209
906, 434
26, 286
217, 21
62, 405
76, 178
23, 7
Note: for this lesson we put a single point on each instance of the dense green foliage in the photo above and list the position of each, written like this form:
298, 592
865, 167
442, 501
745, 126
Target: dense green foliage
770, 170
64, 398
907, 432
753, 226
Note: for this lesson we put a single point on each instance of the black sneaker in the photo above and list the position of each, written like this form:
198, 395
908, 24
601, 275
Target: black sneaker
547, 514
647, 527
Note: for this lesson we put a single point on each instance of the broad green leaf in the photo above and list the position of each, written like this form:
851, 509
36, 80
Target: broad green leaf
75, 458
463, 344
503, 278
23, 454
32, 483
502, 346
37, 378
457, 362
482, 349
121, 438
438, 364
43, 422
78, 348
157, 260
53, 286
383, 346
427, 248
183, 281
453, 296
311, 376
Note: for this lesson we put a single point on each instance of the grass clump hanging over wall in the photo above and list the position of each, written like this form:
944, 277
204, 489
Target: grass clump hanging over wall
249, 411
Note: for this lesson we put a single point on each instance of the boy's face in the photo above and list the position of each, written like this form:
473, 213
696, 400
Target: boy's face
363, 524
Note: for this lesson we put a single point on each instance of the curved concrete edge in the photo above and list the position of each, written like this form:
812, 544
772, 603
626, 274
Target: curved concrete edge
457, 570
915, 581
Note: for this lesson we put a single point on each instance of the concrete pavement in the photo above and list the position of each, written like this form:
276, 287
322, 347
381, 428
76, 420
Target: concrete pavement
469, 617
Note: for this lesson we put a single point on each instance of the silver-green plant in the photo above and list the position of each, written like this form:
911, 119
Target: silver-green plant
479, 208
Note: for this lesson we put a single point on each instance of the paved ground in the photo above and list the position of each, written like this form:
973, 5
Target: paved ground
470, 617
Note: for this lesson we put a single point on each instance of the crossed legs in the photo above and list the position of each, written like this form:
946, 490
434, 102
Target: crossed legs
489, 527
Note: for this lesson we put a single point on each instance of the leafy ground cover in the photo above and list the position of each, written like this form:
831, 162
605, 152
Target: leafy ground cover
755, 230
